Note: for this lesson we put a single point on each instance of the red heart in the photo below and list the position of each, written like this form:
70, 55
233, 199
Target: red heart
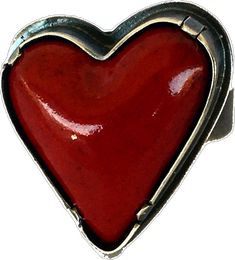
108, 131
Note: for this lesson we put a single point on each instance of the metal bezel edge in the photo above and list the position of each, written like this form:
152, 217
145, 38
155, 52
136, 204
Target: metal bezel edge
101, 45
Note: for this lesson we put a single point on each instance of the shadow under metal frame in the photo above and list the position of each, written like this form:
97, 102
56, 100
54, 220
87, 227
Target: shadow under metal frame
190, 18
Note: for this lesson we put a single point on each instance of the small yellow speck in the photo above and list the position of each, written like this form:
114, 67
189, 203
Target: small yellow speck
74, 137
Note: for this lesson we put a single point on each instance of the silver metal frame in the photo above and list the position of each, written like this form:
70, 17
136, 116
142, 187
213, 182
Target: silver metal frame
101, 45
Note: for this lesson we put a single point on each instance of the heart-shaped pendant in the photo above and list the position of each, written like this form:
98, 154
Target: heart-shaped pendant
114, 119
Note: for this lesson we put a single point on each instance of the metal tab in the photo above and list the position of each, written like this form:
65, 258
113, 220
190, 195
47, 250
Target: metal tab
14, 56
143, 212
75, 214
192, 27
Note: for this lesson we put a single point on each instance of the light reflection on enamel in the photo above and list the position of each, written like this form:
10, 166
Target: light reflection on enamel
179, 81
74, 137
81, 129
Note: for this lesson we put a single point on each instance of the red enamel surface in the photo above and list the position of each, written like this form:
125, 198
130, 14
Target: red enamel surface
108, 130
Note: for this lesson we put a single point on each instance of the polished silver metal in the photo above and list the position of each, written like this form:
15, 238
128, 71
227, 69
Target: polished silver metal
192, 27
214, 122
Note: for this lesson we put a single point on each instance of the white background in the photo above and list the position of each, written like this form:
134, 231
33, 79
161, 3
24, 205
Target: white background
197, 223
